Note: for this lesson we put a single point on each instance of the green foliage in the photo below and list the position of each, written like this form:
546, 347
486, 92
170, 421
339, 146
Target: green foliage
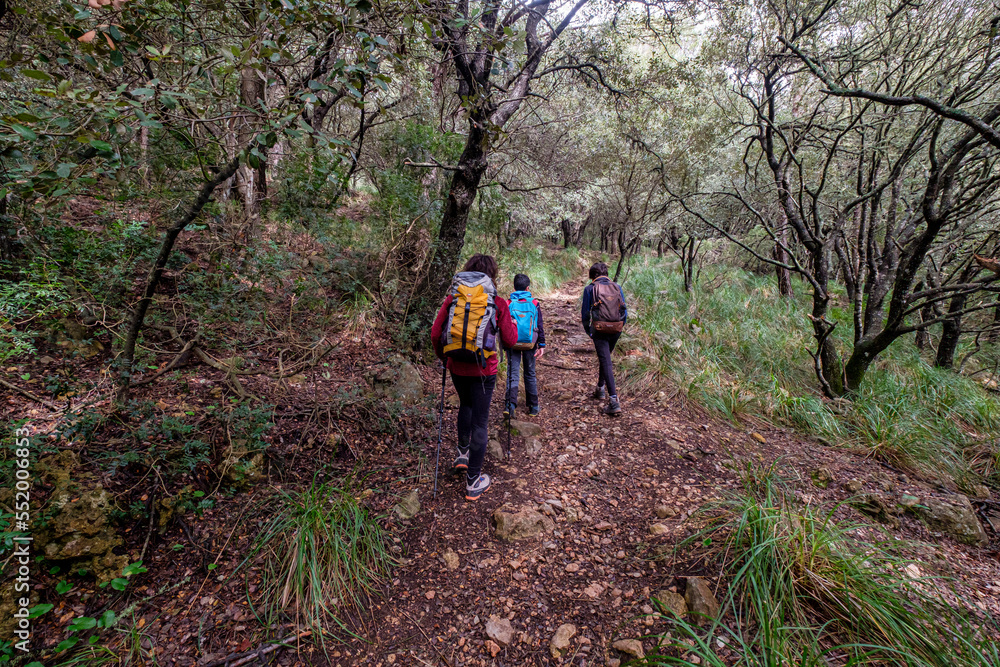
738, 348
547, 266
28, 306
805, 590
323, 555
175, 445
86, 639
312, 181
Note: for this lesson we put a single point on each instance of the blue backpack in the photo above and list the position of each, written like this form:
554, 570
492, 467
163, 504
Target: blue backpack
525, 315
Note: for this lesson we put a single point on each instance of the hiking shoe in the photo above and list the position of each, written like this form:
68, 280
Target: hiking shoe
477, 488
534, 412
508, 409
613, 407
599, 394
462, 460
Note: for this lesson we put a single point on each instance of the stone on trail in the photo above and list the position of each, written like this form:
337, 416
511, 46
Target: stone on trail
953, 515
500, 630
665, 511
658, 529
450, 559
525, 429
401, 381
877, 507
408, 507
672, 601
79, 527
700, 600
533, 447
632, 647
853, 485
494, 449
560, 640
821, 477
521, 525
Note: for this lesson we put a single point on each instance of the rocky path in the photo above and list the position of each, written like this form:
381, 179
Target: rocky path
557, 563
559, 559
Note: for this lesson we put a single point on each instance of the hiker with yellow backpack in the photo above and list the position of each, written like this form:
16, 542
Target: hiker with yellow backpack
471, 326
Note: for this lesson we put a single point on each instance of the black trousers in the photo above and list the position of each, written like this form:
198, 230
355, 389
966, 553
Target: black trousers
605, 343
474, 396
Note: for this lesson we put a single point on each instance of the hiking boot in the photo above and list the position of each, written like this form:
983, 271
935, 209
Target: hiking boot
534, 412
462, 460
613, 407
508, 409
477, 488
599, 394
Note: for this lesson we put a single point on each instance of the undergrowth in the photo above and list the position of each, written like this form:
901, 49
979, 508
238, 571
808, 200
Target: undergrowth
324, 555
742, 351
547, 267
806, 590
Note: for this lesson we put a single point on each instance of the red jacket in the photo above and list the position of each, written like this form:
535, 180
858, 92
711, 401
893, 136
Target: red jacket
507, 338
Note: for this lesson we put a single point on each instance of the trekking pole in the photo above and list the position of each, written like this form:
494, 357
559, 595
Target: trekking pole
510, 367
437, 457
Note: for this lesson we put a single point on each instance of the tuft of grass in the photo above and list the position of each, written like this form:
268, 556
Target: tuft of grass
324, 555
805, 590
735, 346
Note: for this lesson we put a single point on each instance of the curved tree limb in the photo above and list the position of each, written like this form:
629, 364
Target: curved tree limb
981, 126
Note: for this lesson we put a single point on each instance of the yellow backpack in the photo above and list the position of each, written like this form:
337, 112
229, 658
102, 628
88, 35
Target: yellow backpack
470, 334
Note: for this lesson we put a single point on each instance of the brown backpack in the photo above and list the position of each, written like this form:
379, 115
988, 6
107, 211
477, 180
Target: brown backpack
606, 311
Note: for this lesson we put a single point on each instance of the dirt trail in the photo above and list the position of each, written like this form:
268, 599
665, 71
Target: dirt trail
601, 478
605, 482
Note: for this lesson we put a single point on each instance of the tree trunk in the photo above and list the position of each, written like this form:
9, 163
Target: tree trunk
783, 275
831, 367
688, 250
567, 232
581, 230
951, 328
144, 155
856, 367
922, 337
951, 332
7, 233
254, 180
451, 236
156, 271
995, 333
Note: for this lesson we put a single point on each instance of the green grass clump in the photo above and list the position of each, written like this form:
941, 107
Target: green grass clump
805, 590
738, 348
324, 556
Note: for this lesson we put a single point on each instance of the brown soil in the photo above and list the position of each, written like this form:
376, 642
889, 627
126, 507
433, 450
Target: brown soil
596, 572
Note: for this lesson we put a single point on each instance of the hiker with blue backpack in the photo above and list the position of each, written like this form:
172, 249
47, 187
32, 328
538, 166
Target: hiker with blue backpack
530, 345
471, 327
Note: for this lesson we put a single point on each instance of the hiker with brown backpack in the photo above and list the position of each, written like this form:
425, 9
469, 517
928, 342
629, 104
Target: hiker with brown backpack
604, 314
471, 327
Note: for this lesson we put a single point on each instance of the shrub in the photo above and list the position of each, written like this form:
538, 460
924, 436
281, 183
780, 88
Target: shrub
323, 554
805, 590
